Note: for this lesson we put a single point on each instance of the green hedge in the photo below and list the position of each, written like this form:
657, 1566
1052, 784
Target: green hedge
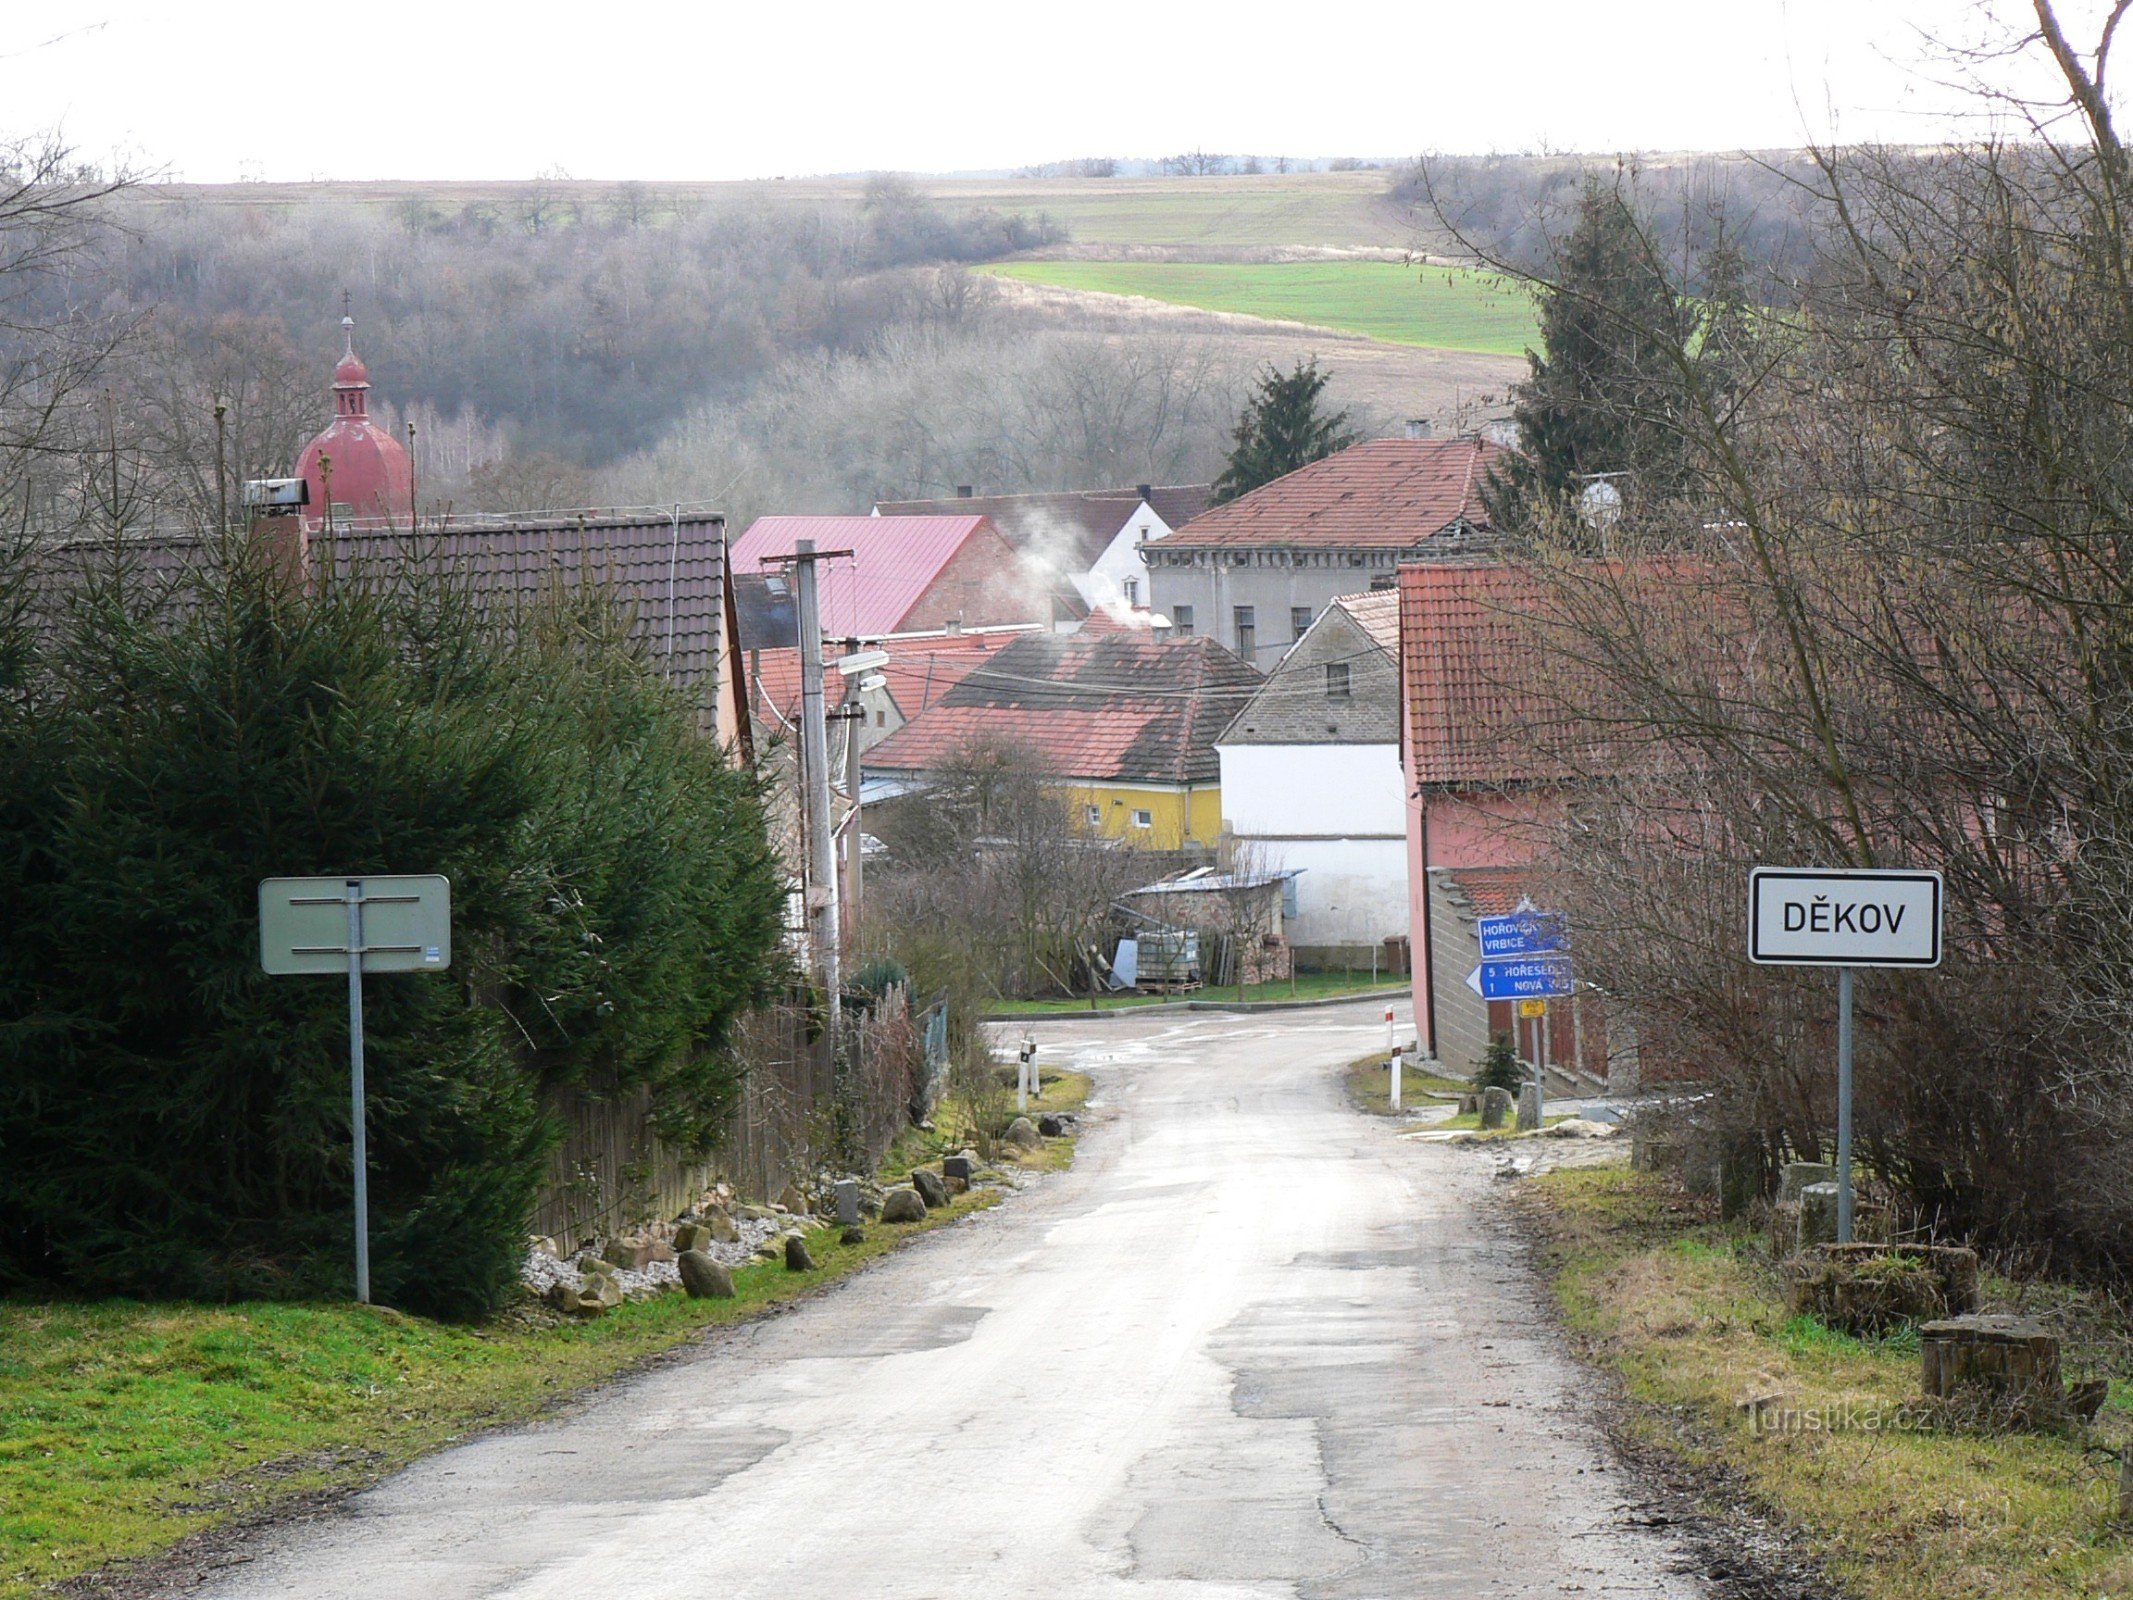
172, 1122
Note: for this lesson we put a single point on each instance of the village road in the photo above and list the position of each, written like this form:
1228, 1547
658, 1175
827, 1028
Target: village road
1254, 1344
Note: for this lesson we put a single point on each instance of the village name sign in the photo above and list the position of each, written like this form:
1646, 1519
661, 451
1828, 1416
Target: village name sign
1843, 917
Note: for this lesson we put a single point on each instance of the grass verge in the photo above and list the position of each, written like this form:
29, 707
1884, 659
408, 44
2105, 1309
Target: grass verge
125, 1427
1370, 1085
1441, 308
1306, 986
1690, 1314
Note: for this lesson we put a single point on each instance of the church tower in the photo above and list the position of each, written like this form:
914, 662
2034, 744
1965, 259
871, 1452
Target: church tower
363, 468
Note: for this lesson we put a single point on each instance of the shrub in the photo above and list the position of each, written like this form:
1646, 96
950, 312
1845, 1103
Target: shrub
1500, 1067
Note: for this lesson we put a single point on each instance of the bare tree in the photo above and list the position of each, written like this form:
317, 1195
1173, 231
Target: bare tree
1885, 616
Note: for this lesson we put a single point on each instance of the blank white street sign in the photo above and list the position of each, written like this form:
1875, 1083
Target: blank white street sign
1843, 917
344, 927
406, 924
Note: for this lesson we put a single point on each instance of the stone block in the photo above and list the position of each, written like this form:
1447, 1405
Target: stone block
1495, 1106
1797, 1175
1818, 1217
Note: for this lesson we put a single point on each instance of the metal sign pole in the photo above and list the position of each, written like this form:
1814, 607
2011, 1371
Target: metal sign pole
1540, 1068
1844, 1105
355, 1089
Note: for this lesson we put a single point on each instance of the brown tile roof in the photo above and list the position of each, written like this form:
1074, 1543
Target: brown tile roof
1074, 527
1386, 494
666, 574
1103, 707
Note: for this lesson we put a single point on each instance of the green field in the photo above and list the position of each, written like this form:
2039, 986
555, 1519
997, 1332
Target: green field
1440, 308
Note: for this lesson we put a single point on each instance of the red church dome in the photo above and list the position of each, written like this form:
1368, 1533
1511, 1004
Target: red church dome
355, 466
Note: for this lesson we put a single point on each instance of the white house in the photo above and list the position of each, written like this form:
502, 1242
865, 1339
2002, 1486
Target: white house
1088, 543
1311, 780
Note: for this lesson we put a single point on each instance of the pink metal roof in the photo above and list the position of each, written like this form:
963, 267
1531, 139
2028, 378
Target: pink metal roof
894, 561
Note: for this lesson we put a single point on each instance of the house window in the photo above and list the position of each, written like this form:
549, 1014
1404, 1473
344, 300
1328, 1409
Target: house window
1246, 621
1336, 680
881, 719
1132, 588
1181, 621
1299, 621
1144, 819
1383, 581
1093, 816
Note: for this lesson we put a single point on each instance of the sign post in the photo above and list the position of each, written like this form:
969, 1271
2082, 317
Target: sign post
1525, 956
1843, 917
320, 926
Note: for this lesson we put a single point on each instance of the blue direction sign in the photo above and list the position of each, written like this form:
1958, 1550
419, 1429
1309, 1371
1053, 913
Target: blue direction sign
1524, 932
1532, 978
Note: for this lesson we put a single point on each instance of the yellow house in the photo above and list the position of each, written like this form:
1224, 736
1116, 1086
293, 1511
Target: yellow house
1121, 721
1157, 816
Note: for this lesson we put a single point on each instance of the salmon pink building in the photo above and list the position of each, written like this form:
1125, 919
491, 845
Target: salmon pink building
1482, 796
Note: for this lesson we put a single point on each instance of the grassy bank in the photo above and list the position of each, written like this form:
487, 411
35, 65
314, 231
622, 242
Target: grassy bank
1439, 308
1690, 1315
1306, 986
126, 1426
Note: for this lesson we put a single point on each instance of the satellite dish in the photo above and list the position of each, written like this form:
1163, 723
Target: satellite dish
1600, 504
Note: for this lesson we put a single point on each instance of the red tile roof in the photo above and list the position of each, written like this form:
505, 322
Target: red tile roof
1469, 637
1491, 891
894, 561
1104, 707
921, 669
1387, 494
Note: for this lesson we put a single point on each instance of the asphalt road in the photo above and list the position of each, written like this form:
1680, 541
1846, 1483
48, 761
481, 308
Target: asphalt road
1253, 1344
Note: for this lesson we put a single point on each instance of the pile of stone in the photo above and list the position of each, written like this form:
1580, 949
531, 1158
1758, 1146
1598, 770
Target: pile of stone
647, 1262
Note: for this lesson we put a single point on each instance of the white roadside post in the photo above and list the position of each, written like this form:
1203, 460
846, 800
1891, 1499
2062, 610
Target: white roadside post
354, 925
1392, 1058
1843, 917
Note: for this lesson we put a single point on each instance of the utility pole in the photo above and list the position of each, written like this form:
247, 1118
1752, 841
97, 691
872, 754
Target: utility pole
855, 721
822, 911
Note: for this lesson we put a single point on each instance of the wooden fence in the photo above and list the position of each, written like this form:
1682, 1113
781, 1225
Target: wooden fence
612, 1171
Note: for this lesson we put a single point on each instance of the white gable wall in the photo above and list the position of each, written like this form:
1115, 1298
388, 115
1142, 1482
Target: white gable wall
1337, 812
1107, 581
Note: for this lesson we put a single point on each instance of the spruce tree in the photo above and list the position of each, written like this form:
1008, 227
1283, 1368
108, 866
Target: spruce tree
1604, 387
1280, 429
172, 1121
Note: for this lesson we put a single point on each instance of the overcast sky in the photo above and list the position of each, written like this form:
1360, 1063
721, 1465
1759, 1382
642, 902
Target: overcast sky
644, 89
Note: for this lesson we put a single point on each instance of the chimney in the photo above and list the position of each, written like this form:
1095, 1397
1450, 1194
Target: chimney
963, 491
1418, 427
1144, 490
